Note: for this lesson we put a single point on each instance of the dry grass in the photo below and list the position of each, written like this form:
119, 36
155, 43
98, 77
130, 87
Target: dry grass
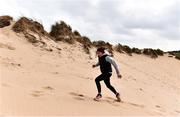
5, 21
24, 25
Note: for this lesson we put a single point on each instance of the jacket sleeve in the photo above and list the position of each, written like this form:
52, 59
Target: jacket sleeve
114, 63
97, 64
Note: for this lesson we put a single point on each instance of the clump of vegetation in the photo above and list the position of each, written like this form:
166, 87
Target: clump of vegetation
62, 32
24, 25
5, 21
175, 53
150, 52
159, 52
106, 45
76, 33
31, 38
102, 44
32, 30
119, 48
86, 49
127, 49
136, 50
177, 56
124, 48
86, 42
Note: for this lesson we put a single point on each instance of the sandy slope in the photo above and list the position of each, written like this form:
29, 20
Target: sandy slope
38, 82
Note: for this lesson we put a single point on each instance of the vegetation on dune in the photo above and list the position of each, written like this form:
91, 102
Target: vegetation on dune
123, 49
104, 44
24, 25
136, 50
176, 54
150, 52
153, 53
76, 33
5, 21
61, 31
159, 52
32, 30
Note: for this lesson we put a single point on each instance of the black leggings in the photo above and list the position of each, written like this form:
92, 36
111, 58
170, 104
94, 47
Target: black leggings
106, 78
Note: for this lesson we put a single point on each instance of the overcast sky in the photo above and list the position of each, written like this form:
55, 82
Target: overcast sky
137, 23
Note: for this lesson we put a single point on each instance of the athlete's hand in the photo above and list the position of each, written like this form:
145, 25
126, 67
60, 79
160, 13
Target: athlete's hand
93, 66
119, 76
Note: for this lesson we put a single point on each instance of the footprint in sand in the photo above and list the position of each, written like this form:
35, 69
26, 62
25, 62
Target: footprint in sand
157, 106
141, 89
132, 104
160, 108
124, 102
55, 72
78, 96
48, 88
88, 78
177, 111
7, 46
5, 85
10, 62
15, 64
37, 93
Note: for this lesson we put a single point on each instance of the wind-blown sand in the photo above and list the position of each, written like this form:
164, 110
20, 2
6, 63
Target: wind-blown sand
34, 81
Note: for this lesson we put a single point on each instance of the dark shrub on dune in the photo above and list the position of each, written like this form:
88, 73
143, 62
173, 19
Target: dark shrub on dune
177, 56
24, 25
84, 40
76, 33
119, 48
136, 50
159, 52
127, 49
175, 53
150, 52
60, 29
124, 48
32, 30
62, 32
86, 49
103, 44
31, 38
5, 21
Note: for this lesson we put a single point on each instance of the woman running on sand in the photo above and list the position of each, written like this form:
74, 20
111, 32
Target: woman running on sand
105, 62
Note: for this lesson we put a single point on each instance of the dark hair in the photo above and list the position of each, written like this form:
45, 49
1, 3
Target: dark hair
101, 49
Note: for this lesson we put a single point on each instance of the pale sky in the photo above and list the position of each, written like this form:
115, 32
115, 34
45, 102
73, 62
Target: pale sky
137, 23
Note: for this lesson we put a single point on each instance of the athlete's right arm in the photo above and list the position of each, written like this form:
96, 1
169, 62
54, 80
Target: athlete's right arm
97, 64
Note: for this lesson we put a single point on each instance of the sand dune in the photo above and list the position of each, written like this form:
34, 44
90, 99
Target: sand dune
35, 81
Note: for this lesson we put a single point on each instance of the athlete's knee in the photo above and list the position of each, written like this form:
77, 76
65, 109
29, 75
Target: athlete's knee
108, 86
96, 80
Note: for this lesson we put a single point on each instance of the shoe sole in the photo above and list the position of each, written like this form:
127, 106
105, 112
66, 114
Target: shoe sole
118, 99
96, 99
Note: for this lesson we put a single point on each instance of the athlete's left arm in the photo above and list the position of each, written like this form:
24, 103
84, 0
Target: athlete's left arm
114, 63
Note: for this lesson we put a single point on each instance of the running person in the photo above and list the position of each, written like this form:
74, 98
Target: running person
105, 62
